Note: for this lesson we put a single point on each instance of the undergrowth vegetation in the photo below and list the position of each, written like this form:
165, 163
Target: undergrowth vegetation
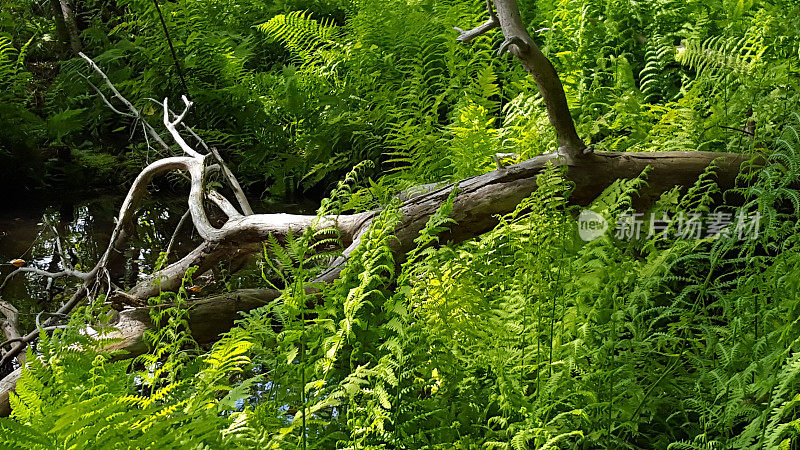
525, 337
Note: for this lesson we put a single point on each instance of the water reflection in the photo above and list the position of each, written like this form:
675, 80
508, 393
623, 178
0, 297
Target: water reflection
30, 231
81, 228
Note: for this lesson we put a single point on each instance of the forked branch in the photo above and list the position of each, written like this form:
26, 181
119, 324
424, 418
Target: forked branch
520, 44
466, 36
133, 111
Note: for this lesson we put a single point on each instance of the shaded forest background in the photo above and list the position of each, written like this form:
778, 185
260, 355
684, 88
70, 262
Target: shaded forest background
297, 93
524, 337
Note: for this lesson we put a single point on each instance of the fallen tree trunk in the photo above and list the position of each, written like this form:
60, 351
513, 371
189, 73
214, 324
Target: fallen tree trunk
208, 319
479, 201
7, 386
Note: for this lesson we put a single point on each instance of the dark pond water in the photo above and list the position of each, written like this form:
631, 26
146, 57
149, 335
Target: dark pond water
28, 231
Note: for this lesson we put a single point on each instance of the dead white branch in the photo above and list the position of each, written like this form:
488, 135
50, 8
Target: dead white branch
134, 112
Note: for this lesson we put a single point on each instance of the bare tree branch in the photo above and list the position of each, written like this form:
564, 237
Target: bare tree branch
241, 198
223, 204
71, 25
520, 43
233, 183
10, 325
7, 385
172, 240
44, 273
133, 111
468, 35
171, 126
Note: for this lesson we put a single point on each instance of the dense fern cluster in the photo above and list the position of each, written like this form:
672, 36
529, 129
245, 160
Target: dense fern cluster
524, 337
74, 394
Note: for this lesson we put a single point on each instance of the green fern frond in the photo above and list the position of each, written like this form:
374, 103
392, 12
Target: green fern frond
311, 40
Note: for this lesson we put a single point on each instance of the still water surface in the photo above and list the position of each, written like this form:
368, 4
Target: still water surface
28, 231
